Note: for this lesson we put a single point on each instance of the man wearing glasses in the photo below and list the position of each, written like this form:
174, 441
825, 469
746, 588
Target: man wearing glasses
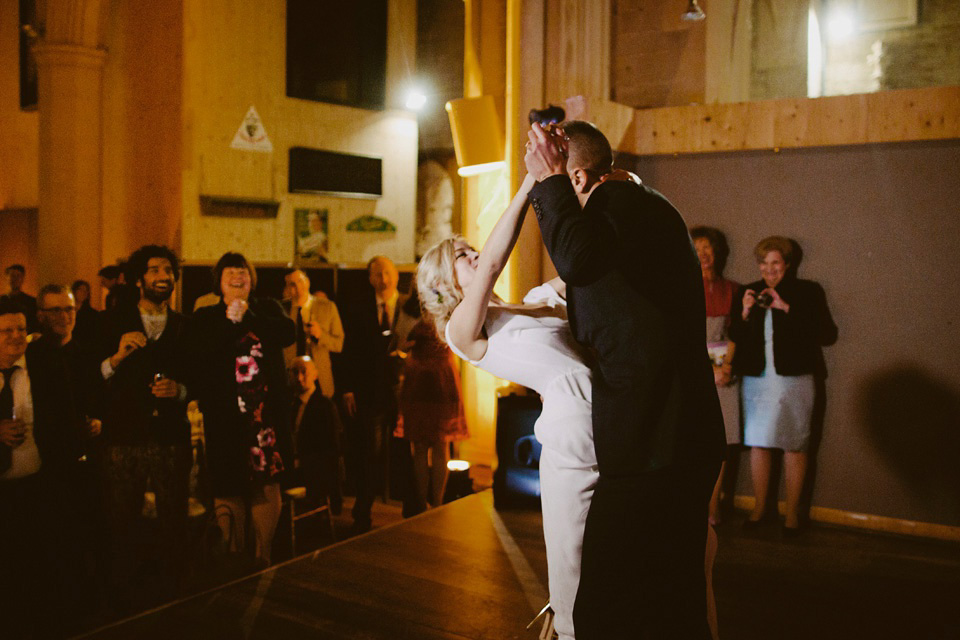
39, 453
57, 315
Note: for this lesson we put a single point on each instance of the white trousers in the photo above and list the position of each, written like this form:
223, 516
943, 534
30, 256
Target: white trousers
566, 488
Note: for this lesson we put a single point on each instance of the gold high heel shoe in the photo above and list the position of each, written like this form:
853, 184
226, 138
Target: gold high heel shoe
546, 631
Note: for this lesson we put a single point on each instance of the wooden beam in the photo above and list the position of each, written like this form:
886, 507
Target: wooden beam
887, 116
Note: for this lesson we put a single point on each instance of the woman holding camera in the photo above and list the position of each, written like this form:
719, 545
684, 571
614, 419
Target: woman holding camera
779, 325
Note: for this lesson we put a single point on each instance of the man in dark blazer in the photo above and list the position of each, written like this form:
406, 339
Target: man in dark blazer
145, 430
40, 450
635, 297
368, 377
316, 444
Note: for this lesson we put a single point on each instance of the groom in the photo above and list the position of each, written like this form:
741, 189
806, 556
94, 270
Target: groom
635, 297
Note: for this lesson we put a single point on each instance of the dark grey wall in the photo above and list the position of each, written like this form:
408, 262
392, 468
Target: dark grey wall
880, 229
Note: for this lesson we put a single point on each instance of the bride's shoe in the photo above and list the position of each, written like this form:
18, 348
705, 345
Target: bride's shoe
546, 631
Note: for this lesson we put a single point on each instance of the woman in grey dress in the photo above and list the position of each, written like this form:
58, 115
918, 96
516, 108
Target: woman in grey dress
779, 325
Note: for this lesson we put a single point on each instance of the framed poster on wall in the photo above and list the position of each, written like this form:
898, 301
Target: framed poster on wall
310, 227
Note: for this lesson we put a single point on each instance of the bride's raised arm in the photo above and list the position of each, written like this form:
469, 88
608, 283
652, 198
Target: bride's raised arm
466, 323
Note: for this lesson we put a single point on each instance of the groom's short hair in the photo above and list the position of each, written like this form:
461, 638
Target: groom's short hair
588, 148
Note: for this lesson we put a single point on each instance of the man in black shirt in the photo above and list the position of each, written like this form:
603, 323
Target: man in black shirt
145, 429
15, 275
635, 297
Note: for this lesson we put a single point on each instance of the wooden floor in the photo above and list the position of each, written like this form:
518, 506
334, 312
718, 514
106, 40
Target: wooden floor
468, 571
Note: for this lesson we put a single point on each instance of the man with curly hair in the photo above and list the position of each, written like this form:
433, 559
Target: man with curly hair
145, 429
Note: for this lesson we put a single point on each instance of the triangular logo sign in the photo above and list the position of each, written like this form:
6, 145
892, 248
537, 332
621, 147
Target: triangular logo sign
251, 136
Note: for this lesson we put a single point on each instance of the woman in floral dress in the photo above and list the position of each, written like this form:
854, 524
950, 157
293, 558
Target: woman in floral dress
238, 377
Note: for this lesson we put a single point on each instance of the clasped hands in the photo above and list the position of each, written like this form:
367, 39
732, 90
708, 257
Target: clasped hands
12, 432
546, 152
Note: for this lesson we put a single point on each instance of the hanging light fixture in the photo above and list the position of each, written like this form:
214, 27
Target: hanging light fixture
693, 13
477, 135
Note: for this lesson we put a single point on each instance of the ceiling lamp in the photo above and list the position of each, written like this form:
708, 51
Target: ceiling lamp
693, 13
416, 100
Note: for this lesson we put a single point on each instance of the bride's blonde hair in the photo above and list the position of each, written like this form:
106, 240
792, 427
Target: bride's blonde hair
437, 282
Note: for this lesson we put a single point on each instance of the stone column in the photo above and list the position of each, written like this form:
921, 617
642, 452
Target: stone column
70, 110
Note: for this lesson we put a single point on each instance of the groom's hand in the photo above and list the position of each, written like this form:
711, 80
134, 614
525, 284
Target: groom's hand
546, 153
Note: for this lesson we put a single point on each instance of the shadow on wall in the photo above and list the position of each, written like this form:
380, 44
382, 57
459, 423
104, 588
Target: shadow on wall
913, 420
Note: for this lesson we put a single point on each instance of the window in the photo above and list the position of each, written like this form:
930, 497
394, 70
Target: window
337, 51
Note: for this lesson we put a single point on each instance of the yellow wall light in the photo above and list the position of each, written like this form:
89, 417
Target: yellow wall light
477, 135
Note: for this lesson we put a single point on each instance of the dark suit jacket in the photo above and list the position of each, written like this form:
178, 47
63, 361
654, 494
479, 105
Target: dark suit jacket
129, 406
797, 336
365, 367
82, 364
56, 428
87, 330
317, 433
315, 440
635, 296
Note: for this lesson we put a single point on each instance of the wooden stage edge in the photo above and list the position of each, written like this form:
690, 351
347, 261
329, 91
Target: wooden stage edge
867, 521
461, 571
250, 576
466, 571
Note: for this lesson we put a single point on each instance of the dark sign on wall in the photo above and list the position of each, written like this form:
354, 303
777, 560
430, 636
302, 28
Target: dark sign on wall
316, 171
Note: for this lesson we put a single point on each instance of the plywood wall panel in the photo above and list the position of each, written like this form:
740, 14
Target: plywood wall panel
577, 49
724, 128
820, 122
930, 114
890, 116
657, 59
760, 123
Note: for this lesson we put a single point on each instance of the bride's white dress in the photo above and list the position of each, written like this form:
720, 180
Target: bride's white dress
531, 345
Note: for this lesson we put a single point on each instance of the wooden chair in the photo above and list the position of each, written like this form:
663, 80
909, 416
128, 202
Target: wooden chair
296, 495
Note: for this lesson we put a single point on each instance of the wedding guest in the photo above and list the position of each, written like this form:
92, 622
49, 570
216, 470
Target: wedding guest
780, 323
237, 373
40, 448
319, 330
432, 410
712, 251
315, 434
16, 273
368, 380
87, 329
146, 435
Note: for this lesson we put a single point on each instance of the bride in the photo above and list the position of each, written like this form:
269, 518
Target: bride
529, 344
